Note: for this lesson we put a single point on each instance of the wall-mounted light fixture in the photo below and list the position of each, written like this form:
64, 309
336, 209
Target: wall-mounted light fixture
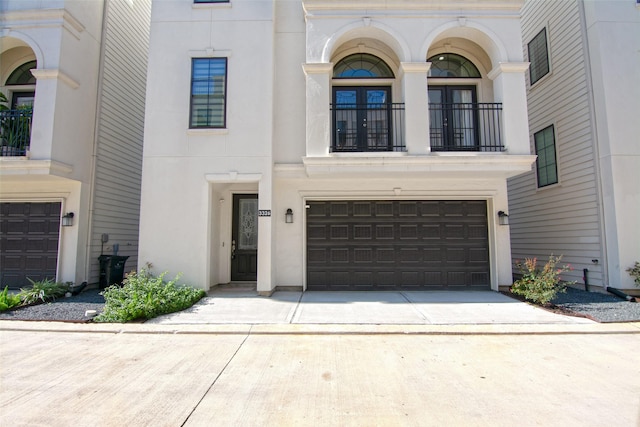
503, 218
67, 219
288, 216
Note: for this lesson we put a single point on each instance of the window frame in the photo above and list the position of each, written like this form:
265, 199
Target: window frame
224, 93
534, 61
548, 164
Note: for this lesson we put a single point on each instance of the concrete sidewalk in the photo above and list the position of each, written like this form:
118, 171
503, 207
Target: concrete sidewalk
229, 306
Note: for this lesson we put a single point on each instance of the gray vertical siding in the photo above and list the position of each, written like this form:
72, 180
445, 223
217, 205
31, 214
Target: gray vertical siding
563, 218
116, 199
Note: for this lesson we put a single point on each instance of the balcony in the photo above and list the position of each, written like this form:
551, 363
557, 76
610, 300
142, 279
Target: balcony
466, 127
371, 127
15, 132
452, 127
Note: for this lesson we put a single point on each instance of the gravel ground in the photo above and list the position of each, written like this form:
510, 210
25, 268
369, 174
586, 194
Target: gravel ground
598, 306
604, 308
70, 309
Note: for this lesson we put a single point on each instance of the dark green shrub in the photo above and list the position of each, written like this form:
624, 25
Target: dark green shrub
144, 296
43, 290
8, 300
540, 285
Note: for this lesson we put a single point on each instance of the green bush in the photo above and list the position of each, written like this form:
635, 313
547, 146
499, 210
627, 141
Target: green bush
144, 296
635, 273
43, 290
540, 285
8, 300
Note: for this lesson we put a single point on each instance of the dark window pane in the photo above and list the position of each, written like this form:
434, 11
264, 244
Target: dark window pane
208, 92
538, 56
546, 165
361, 65
452, 65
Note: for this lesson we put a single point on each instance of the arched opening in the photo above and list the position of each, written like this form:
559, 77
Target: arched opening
363, 113
23, 84
458, 122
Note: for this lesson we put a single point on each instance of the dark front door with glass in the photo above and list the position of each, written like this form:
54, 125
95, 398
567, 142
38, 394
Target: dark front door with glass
362, 119
453, 118
244, 235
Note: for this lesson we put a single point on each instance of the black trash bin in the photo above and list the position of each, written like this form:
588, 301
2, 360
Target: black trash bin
111, 269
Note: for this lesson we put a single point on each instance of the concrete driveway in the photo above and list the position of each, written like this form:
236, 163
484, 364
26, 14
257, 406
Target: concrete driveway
229, 306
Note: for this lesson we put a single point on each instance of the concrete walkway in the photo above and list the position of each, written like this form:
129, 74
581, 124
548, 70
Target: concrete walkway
229, 306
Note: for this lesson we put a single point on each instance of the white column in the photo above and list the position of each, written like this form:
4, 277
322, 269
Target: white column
416, 105
509, 87
318, 114
265, 259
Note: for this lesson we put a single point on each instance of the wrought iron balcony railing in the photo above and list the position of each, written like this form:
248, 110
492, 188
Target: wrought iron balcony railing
367, 127
15, 131
466, 127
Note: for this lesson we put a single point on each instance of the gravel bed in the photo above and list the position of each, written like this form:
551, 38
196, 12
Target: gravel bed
71, 309
601, 307
598, 306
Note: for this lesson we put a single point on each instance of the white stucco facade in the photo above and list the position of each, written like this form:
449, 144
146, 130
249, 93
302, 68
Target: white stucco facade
278, 139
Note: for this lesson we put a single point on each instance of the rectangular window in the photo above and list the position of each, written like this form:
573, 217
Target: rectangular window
210, 1
208, 93
546, 165
538, 56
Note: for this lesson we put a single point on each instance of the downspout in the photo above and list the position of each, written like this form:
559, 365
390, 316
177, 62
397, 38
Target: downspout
96, 132
596, 151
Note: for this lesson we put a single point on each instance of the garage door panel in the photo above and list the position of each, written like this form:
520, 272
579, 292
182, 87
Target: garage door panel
397, 245
29, 235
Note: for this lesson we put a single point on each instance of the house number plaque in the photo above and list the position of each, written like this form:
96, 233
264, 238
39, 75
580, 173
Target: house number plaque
264, 212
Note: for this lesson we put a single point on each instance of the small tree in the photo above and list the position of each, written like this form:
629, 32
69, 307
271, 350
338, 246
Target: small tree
635, 273
540, 285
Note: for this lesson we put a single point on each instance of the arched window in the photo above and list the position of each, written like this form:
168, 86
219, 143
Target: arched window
22, 75
361, 66
452, 65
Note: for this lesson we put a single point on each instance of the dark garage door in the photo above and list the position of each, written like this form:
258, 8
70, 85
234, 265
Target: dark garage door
29, 234
389, 245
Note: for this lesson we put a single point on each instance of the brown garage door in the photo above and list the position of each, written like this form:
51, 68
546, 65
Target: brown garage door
29, 234
389, 245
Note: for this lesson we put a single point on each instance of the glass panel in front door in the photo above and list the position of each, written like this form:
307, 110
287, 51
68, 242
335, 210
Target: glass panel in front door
346, 120
248, 224
463, 118
376, 121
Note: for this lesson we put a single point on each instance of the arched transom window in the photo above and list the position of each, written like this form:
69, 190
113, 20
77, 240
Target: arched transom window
22, 75
361, 66
452, 65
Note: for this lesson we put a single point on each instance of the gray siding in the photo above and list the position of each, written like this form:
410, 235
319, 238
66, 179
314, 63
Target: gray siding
563, 218
116, 199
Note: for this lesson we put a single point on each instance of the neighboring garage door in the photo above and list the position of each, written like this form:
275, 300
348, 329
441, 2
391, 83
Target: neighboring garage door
389, 245
29, 234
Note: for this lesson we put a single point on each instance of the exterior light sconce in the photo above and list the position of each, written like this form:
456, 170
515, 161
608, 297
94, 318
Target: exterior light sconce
288, 216
503, 218
67, 219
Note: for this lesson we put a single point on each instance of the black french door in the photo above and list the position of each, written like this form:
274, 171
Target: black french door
453, 118
362, 119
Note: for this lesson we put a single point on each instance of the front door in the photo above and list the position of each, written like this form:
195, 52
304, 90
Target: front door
453, 118
362, 119
244, 235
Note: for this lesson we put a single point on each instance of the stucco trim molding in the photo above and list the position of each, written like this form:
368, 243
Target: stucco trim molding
232, 176
44, 18
508, 67
317, 67
415, 67
42, 74
22, 166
